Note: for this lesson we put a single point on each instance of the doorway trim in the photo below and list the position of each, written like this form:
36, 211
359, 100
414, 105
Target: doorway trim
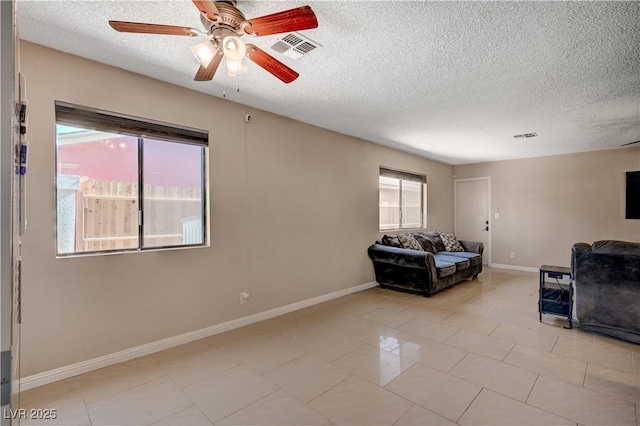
489, 210
9, 248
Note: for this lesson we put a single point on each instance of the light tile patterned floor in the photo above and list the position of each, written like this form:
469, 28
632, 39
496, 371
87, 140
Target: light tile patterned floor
475, 354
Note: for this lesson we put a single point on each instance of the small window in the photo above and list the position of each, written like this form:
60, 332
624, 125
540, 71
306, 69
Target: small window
402, 200
127, 184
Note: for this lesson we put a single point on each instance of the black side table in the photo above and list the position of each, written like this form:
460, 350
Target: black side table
556, 298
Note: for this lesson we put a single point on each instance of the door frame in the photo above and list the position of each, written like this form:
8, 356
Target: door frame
9, 232
489, 210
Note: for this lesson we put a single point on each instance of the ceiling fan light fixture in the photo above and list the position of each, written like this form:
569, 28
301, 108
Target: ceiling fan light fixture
204, 52
235, 68
234, 48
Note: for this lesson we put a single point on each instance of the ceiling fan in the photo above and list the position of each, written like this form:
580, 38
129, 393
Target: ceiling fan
225, 24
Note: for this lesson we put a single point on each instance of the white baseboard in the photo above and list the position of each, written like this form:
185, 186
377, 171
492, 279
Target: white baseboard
65, 372
514, 267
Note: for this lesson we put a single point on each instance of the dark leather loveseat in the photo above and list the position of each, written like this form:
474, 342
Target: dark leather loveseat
428, 270
607, 282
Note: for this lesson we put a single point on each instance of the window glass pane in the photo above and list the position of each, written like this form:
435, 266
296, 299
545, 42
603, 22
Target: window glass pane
96, 175
389, 203
411, 204
172, 196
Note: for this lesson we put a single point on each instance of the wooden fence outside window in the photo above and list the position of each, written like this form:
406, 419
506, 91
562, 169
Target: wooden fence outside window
108, 214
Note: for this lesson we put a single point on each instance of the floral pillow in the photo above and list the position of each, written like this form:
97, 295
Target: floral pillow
450, 242
392, 241
425, 242
409, 242
434, 237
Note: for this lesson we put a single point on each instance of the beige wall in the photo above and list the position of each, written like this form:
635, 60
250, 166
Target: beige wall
282, 249
549, 203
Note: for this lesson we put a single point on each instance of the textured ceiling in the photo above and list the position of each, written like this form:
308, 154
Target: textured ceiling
451, 81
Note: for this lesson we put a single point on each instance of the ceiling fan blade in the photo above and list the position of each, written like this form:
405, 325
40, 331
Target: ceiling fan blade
208, 7
630, 143
301, 18
271, 64
206, 74
140, 27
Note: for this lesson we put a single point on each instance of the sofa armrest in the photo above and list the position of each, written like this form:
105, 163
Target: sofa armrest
579, 248
399, 256
472, 246
577, 251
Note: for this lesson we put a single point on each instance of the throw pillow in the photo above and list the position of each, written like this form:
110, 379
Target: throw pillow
409, 242
391, 241
434, 236
425, 242
450, 242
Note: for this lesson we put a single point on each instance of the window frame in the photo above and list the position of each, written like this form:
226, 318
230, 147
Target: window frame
88, 118
404, 176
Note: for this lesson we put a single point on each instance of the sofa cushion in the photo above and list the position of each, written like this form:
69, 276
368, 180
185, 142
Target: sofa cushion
475, 259
450, 242
392, 241
409, 242
434, 236
460, 262
445, 269
426, 243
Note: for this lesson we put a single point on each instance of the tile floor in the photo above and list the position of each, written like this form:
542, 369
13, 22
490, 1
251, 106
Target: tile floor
475, 354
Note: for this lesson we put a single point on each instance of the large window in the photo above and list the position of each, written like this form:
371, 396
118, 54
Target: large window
402, 201
127, 184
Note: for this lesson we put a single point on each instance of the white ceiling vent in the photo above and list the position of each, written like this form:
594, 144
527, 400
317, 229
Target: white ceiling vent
295, 45
526, 135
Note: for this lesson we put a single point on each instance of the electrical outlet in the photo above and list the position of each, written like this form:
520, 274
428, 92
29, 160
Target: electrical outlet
513, 254
244, 297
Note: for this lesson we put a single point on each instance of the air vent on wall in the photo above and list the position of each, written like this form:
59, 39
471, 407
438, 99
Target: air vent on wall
526, 135
295, 45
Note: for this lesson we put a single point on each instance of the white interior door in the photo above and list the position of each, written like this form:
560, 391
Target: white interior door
472, 212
